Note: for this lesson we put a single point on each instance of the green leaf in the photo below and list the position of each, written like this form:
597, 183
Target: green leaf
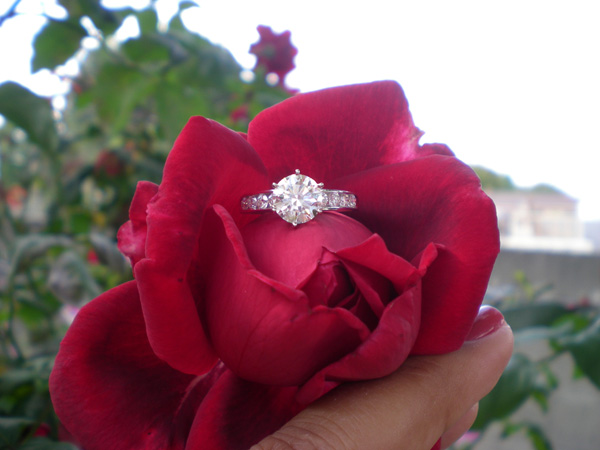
147, 48
57, 42
552, 380
118, 91
70, 279
176, 24
533, 315
32, 246
104, 19
12, 429
185, 4
515, 386
108, 253
541, 398
12, 379
176, 103
585, 348
538, 438
32, 312
147, 19
534, 433
31, 113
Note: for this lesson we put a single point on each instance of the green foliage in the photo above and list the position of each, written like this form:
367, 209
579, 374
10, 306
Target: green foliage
67, 178
512, 390
584, 346
524, 316
536, 435
105, 20
56, 43
31, 113
563, 329
492, 180
11, 430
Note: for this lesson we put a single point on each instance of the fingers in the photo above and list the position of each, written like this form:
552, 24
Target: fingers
409, 409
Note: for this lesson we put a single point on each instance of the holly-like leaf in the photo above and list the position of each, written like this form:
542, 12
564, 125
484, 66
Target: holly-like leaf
533, 315
514, 387
31, 113
56, 42
534, 433
585, 348
538, 438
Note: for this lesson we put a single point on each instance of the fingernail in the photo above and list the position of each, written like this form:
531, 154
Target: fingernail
487, 321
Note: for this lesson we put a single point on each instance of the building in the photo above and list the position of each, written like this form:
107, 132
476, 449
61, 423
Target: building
541, 221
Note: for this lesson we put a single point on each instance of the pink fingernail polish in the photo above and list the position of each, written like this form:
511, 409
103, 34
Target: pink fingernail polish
487, 321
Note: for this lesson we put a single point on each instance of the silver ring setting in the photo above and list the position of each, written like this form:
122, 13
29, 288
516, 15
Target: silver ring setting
298, 199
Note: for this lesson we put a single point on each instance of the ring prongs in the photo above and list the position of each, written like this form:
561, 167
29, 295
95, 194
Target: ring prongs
298, 199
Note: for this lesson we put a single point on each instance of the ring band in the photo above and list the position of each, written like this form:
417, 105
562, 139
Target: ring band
298, 199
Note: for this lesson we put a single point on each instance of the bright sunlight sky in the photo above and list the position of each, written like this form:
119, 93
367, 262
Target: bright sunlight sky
512, 85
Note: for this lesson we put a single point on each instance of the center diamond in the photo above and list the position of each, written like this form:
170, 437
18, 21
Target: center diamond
297, 198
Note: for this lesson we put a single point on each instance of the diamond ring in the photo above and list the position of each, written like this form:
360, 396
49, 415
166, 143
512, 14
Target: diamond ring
298, 199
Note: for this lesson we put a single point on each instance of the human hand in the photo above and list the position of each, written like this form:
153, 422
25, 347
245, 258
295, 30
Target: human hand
428, 397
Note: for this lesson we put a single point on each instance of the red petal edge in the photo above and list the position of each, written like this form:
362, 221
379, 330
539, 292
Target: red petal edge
237, 414
111, 391
209, 164
132, 235
436, 199
336, 132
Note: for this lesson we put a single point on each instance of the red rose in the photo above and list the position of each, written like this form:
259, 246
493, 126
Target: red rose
240, 114
236, 321
274, 52
109, 164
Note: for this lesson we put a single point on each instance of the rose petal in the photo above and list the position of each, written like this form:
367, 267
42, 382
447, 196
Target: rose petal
329, 284
435, 149
361, 309
373, 288
173, 325
132, 235
264, 330
381, 354
109, 388
290, 254
209, 163
336, 132
434, 199
237, 414
374, 254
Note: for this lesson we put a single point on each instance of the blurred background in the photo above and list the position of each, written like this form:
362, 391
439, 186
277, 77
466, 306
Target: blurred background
93, 94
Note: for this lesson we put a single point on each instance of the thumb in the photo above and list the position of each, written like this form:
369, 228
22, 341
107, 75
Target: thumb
409, 409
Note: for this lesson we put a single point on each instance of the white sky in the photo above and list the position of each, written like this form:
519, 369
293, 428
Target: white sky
511, 85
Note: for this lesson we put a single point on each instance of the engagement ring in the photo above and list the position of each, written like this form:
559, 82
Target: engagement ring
298, 199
